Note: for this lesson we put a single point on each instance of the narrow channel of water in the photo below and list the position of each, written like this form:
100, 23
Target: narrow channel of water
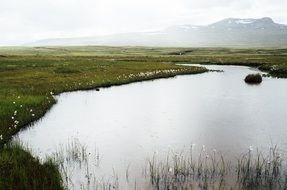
122, 126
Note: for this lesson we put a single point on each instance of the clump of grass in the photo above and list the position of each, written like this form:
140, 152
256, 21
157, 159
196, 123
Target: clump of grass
78, 167
261, 172
187, 171
20, 171
253, 79
211, 171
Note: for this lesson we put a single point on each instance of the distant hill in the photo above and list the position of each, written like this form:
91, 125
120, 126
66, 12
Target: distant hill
231, 32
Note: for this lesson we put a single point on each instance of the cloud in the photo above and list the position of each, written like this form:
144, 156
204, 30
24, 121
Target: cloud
25, 21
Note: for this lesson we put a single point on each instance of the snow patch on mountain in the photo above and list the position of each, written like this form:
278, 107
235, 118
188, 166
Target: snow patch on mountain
244, 21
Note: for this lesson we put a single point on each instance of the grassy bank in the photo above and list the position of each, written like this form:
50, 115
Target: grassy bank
19, 170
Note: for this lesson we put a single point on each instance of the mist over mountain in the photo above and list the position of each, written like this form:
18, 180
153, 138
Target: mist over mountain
230, 32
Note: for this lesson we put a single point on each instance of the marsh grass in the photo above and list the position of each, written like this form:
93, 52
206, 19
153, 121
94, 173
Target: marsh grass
79, 168
188, 169
19, 170
213, 171
262, 172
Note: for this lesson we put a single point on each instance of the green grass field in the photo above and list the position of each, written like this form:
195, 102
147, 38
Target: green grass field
29, 77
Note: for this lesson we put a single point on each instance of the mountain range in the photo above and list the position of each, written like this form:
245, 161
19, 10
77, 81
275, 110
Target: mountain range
230, 32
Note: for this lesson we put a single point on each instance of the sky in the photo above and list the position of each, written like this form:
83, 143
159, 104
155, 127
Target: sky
23, 21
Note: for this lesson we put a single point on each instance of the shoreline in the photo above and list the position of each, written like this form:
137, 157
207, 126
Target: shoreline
108, 85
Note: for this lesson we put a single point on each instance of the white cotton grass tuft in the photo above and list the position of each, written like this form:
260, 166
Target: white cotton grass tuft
203, 148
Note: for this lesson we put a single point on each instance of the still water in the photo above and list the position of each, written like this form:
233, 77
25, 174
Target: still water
122, 126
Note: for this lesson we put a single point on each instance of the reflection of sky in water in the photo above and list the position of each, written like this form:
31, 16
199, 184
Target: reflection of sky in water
129, 123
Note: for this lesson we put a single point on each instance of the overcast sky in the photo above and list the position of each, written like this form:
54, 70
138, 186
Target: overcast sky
24, 21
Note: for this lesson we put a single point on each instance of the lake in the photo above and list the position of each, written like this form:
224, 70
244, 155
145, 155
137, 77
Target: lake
120, 127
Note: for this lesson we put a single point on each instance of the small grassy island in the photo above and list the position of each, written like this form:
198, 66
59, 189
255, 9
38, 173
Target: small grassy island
253, 79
